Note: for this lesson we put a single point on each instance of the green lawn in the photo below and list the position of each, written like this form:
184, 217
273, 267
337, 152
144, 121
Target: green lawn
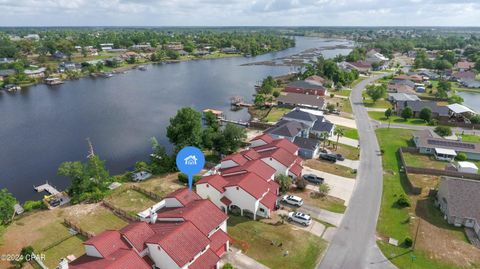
378, 104
330, 168
469, 138
255, 238
392, 220
72, 245
350, 133
380, 116
131, 201
329, 203
276, 113
348, 152
422, 160
342, 92
99, 220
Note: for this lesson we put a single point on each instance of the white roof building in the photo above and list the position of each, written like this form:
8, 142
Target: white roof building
467, 167
460, 109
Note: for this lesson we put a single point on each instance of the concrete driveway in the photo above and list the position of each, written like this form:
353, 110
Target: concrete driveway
322, 214
316, 228
353, 164
340, 187
239, 260
337, 120
345, 140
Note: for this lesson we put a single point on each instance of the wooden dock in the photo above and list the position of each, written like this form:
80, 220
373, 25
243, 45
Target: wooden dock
238, 101
242, 123
47, 188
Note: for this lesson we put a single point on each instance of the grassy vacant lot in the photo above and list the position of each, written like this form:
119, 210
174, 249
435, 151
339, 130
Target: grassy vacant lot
380, 116
350, 133
130, 200
378, 104
331, 168
72, 245
436, 240
421, 160
329, 203
268, 243
94, 218
276, 113
162, 185
348, 152
39, 229
342, 92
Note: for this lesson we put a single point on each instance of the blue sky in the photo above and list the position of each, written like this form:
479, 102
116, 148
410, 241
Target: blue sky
240, 12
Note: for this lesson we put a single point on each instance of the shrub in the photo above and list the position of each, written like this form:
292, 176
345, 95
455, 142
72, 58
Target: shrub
475, 119
323, 190
332, 95
443, 130
301, 184
184, 178
402, 201
228, 266
276, 94
32, 205
408, 242
461, 157
433, 122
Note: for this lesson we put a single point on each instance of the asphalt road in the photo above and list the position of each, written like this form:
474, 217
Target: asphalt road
354, 246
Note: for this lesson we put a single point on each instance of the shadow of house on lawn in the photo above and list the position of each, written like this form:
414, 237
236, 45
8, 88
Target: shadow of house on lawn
426, 210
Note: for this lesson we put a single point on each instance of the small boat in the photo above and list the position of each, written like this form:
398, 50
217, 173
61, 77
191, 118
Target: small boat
53, 81
107, 75
11, 88
142, 68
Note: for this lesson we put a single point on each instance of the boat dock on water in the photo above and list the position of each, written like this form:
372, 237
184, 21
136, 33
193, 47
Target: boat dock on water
46, 188
53, 81
222, 119
237, 101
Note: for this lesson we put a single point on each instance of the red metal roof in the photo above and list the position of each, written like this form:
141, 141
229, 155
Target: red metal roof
296, 169
265, 137
208, 260
225, 201
281, 155
249, 182
216, 181
218, 240
250, 154
279, 143
274, 187
258, 167
184, 196
121, 258
202, 213
269, 200
237, 158
137, 233
107, 242
182, 243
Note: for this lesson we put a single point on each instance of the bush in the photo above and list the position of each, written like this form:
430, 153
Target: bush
475, 119
228, 266
443, 130
332, 95
408, 242
276, 94
32, 205
461, 157
402, 201
301, 184
184, 178
433, 122
323, 190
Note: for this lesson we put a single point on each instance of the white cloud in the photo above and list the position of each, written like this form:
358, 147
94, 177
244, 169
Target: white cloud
240, 12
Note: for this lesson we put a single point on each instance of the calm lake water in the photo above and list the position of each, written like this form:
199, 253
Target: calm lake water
43, 126
471, 100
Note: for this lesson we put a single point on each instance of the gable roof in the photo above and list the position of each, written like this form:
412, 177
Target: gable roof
299, 99
238, 158
298, 114
249, 182
323, 126
429, 139
281, 155
184, 196
265, 137
317, 79
306, 143
182, 243
287, 128
137, 233
217, 181
305, 84
121, 258
107, 242
258, 167
208, 260
462, 197
417, 106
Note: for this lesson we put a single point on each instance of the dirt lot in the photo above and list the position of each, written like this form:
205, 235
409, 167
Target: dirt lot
94, 218
436, 237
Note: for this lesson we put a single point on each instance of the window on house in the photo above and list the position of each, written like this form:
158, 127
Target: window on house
262, 210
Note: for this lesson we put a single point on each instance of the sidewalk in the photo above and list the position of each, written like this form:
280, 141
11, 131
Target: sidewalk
322, 214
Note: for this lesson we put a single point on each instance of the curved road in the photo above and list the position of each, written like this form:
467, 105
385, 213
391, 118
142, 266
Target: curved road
354, 245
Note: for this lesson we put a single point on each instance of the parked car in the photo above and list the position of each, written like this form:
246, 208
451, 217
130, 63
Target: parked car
299, 217
322, 150
340, 157
313, 179
328, 157
292, 200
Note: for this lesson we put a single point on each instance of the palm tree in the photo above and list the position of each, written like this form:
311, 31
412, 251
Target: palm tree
339, 132
324, 136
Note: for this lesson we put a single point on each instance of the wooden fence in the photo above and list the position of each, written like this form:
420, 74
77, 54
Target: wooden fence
150, 194
429, 171
79, 230
120, 212
260, 125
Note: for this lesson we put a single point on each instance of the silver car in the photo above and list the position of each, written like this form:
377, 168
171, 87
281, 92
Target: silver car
301, 218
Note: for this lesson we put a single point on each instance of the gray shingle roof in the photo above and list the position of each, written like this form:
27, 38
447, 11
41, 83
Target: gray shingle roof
306, 143
323, 126
298, 114
302, 84
314, 101
462, 197
287, 128
403, 82
417, 106
429, 139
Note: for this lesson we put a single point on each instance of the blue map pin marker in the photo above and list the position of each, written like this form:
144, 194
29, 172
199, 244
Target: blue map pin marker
190, 161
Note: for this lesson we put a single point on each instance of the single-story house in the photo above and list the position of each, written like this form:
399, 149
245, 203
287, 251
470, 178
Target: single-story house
402, 97
69, 66
301, 100
428, 142
307, 147
306, 87
464, 75
173, 46
37, 73
427, 74
360, 66
317, 79
460, 111
288, 129
470, 83
438, 112
415, 78
106, 46
459, 201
